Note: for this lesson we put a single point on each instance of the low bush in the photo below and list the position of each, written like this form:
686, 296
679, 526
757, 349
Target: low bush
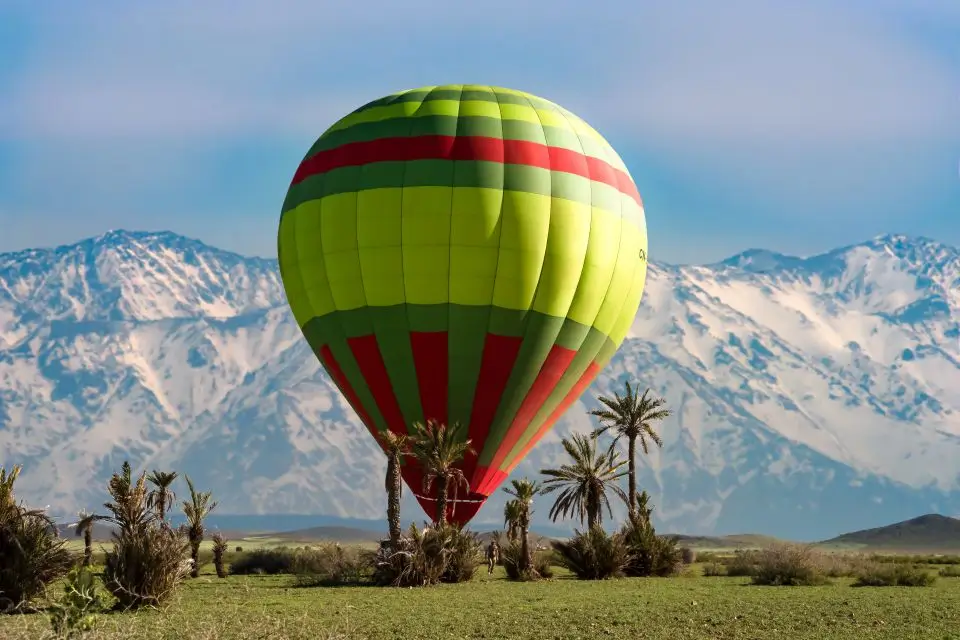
332, 564
714, 570
542, 563
593, 554
688, 555
148, 558
264, 561
915, 559
709, 556
74, 613
789, 565
219, 549
952, 571
647, 553
32, 556
145, 566
463, 557
877, 574
428, 556
742, 564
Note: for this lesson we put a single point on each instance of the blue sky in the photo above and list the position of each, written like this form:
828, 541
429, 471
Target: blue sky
793, 126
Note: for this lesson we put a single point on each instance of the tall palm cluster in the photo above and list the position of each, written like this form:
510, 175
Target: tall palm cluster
146, 560
148, 556
582, 488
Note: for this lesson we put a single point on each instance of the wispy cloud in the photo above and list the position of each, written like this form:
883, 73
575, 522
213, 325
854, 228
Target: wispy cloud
772, 110
762, 72
754, 70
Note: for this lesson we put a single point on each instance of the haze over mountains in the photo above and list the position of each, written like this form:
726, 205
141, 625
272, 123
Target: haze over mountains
812, 396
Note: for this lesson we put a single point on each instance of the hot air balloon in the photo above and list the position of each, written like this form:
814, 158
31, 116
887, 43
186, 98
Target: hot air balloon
466, 254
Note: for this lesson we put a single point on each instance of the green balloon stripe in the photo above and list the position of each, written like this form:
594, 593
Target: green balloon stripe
514, 109
488, 95
435, 317
328, 331
455, 173
465, 340
466, 337
391, 328
484, 126
540, 333
586, 350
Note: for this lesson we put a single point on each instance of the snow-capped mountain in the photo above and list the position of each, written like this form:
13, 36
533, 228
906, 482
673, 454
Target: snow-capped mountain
811, 395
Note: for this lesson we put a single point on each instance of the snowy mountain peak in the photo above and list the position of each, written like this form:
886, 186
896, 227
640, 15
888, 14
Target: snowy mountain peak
124, 275
761, 261
811, 395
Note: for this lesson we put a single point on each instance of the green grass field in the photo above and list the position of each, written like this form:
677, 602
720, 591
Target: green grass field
490, 607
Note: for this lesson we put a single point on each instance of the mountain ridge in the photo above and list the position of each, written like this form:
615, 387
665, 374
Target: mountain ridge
825, 388
931, 531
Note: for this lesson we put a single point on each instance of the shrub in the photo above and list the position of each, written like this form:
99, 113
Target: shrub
428, 556
592, 555
841, 566
714, 570
915, 559
952, 571
789, 565
647, 553
510, 559
31, 554
876, 574
688, 555
238, 549
145, 566
219, 548
264, 561
742, 564
331, 564
146, 563
543, 563
464, 555
708, 557
75, 612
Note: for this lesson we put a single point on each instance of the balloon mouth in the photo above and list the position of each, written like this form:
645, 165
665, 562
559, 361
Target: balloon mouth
450, 501
459, 511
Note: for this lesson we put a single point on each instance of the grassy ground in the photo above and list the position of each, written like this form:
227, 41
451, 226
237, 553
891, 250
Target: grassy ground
248, 607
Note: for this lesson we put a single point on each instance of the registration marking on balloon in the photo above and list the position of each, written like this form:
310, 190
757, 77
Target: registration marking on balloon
466, 254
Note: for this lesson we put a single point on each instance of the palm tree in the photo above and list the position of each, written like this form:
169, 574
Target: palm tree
128, 508
631, 416
511, 519
161, 496
196, 509
585, 482
438, 448
523, 492
219, 548
7, 479
85, 528
397, 446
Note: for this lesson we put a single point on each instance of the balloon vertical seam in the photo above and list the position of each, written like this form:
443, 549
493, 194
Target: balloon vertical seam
453, 188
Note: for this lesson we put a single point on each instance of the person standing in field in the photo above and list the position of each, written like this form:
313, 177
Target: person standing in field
493, 555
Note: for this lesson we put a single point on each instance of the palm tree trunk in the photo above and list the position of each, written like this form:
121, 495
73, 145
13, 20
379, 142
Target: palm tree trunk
442, 501
525, 557
393, 500
632, 475
593, 508
88, 546
195, 554
162, 505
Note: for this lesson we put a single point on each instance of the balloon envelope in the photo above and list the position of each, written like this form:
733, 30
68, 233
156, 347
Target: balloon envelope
466, 254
